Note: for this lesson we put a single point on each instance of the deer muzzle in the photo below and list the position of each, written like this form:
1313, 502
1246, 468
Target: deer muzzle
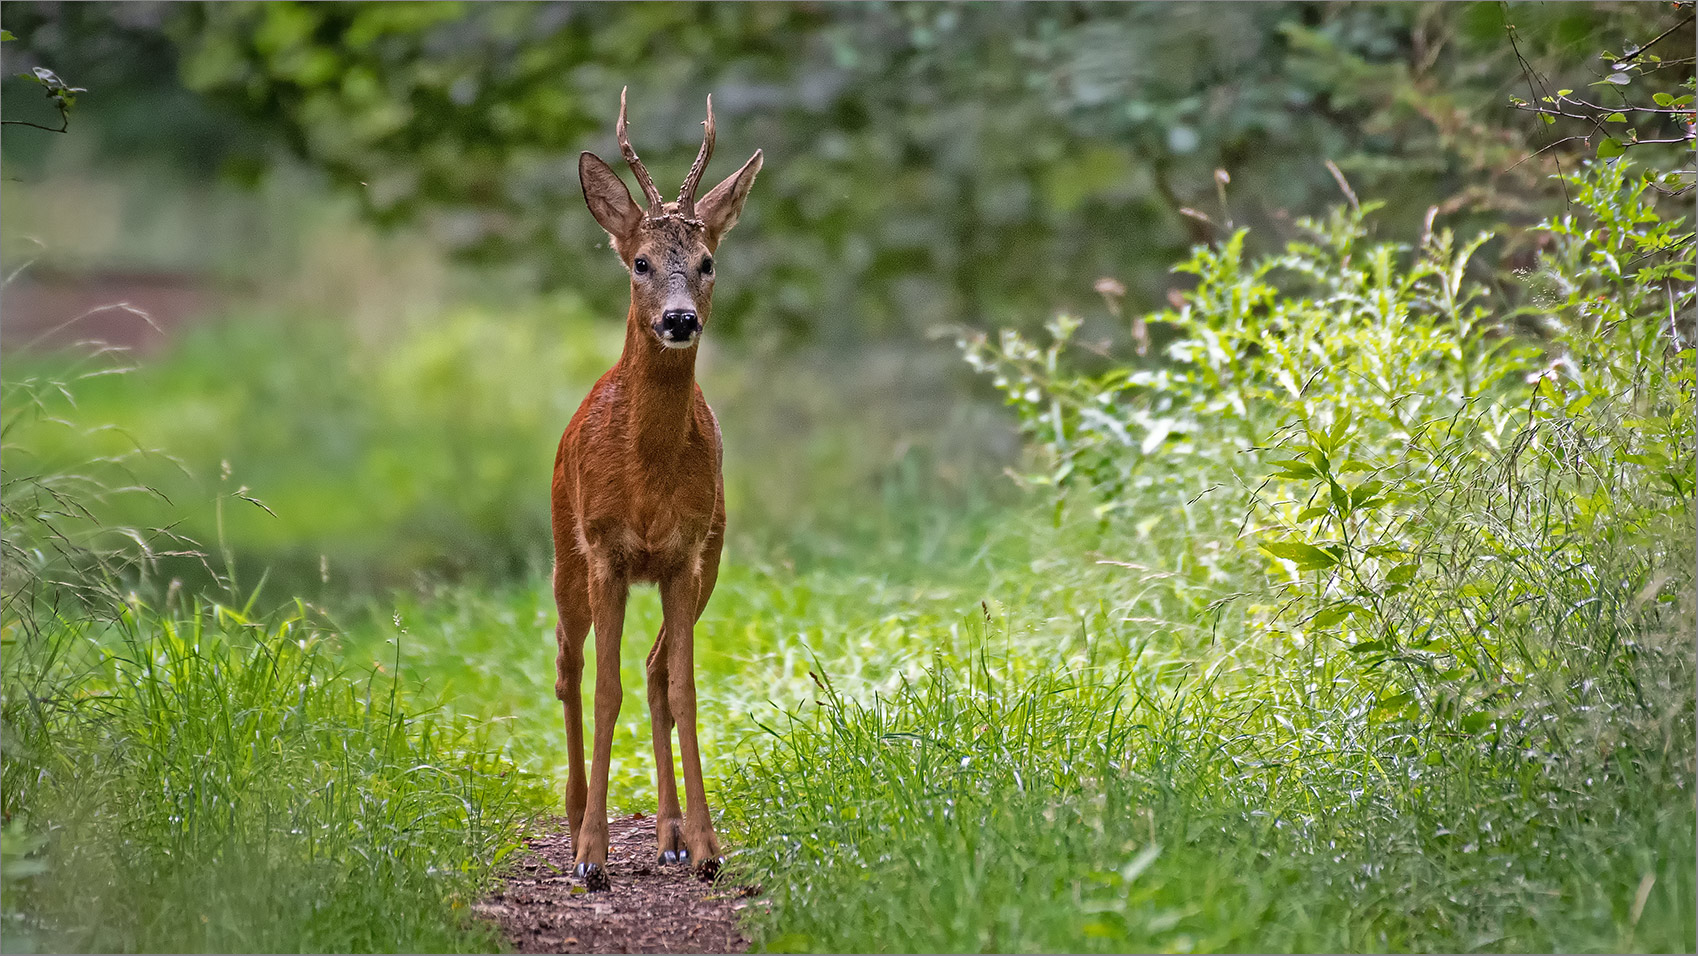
678, 328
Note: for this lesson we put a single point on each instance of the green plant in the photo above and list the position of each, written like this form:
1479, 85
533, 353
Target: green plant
196, 776
1142, 809
203, 780
1370, 411
1471, 515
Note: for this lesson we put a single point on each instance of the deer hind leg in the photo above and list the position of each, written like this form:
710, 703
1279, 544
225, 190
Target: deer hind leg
679, 602
668, 818
572, 599
607, 591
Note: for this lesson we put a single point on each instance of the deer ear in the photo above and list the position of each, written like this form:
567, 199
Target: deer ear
720, 208
609, 201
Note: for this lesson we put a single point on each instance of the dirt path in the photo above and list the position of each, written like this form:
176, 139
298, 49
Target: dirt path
651, 908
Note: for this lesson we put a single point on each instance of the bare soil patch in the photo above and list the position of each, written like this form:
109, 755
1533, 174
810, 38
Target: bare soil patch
652, 908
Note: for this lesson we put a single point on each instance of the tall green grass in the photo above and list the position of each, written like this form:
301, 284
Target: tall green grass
190, 775
203, 781
1110, 810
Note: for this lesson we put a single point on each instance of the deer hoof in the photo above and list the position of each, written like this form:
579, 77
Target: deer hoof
674, 856
708, 870
594, 876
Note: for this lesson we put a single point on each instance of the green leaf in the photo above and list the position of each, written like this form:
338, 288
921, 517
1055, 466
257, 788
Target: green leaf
1354, 465
1548, 118
1307, 557
1564, 92
1650, 459
1362, 492
1368, 646
1661, 99
1610, 148
1334, 614
1403, 573
1615, 118
1313, 511
1476, 722
1295, 468
1340, 497
6, 35
1339, 429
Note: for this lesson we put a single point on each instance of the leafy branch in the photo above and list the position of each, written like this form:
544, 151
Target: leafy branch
61, 94
1614, 128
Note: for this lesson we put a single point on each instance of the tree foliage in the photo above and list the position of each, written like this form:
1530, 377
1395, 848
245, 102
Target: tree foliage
928, 162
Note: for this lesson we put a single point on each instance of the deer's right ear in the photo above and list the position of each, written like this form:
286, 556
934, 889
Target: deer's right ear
609, 201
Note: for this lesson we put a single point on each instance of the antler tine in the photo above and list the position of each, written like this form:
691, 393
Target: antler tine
687, 195
643, 178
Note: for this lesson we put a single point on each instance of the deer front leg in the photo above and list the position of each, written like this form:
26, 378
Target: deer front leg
668, 818
607, 605
572, 599
678, 606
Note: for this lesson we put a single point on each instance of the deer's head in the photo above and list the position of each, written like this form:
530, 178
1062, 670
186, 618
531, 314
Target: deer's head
669, 246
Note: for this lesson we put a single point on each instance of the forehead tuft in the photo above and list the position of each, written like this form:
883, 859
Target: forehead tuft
672, 231
672, 224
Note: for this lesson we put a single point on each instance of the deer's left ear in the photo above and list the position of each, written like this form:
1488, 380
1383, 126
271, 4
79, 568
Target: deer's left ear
720, 208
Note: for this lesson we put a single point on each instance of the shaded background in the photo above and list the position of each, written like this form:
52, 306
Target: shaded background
374, 297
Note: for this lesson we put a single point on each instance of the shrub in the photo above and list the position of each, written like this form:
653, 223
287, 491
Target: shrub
1466, 494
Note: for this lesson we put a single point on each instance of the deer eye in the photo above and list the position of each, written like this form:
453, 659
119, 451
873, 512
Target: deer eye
641, 265
707, 266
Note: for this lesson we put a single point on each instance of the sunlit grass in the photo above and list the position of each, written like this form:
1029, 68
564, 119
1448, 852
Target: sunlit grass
1110, 811
199, 781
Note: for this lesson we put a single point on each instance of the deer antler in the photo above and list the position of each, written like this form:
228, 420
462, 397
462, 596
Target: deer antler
687, 195
643, 178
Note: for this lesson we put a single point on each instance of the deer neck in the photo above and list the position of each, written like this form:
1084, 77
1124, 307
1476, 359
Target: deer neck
661, 387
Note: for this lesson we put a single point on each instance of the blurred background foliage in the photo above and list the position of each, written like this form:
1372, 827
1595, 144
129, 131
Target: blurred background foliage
927, 163
375, 206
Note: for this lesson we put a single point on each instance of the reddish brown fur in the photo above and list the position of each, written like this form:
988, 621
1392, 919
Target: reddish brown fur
638, 496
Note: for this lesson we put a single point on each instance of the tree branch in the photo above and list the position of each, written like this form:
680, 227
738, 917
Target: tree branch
1635, 54
63, 127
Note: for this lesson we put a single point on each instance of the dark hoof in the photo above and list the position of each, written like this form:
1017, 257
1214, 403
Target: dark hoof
594, 876
675, 856
708, 870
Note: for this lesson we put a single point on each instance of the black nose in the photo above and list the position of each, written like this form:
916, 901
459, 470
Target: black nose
679, 323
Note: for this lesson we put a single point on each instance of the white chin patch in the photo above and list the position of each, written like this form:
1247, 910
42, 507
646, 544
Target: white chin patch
674, 344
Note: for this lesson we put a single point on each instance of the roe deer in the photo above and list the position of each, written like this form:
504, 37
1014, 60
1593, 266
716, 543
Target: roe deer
638, 496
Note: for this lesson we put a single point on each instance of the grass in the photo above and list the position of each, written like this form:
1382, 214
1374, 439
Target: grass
1111, 810
196, 780
182, 773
